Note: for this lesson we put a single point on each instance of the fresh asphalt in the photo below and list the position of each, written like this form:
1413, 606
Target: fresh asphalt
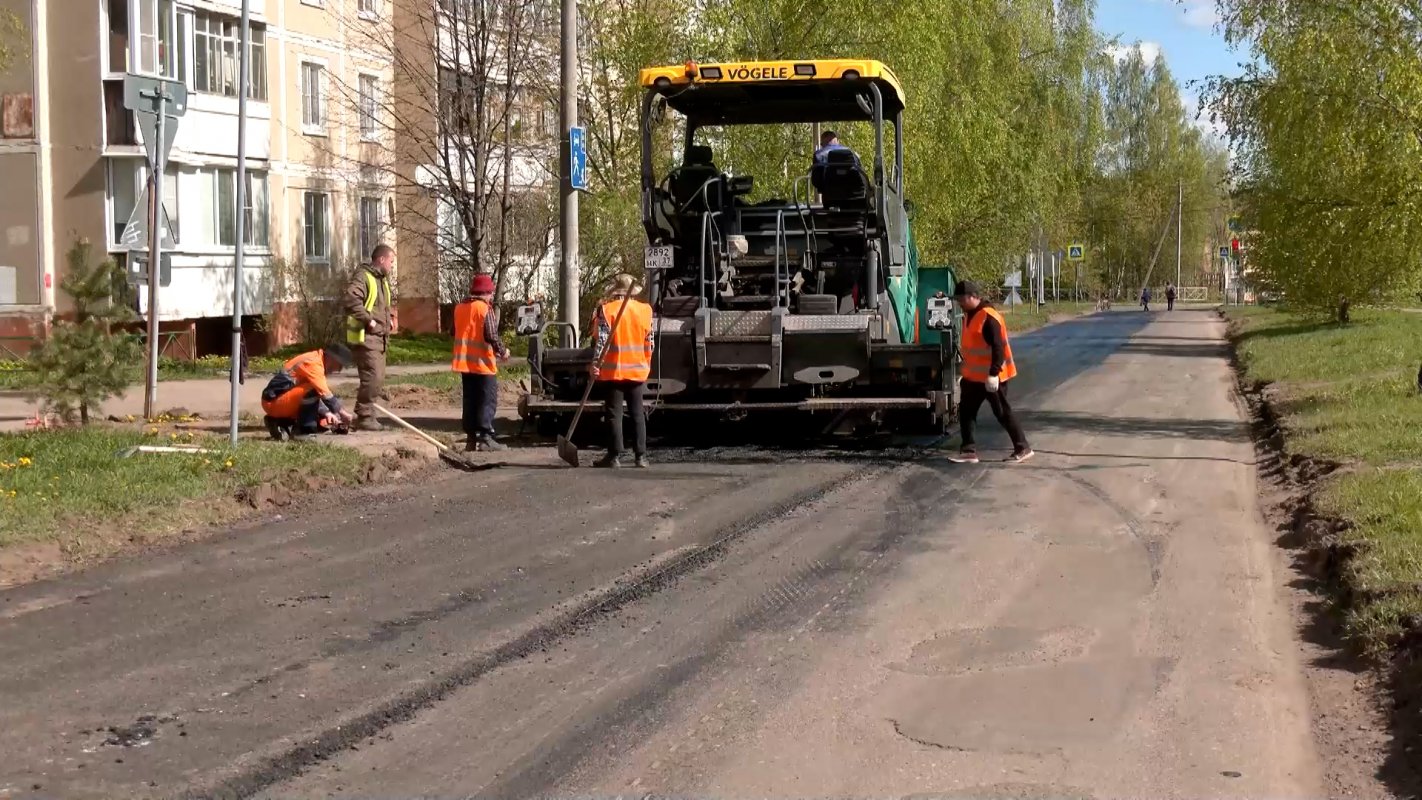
1101, 621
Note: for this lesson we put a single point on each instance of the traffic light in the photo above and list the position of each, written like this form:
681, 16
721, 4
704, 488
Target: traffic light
1234, 246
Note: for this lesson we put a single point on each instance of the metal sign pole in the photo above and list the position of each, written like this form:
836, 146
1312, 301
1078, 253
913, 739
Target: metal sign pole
155, 252
243, 78
569, 293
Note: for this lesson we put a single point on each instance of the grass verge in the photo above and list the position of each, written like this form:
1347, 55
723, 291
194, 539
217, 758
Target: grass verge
1024, 318
405, 349
69, 486
1347, 396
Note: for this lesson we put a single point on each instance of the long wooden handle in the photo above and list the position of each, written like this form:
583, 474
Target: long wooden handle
411, 428
597, 362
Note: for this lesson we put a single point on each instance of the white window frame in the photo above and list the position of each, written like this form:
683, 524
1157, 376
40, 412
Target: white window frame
325, 223
368, 9
321, 101
373, 116
376, 229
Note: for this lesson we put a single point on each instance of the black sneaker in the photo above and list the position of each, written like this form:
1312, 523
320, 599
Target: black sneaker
1021, 455
643, 462
609, 461
275, 429
965, 457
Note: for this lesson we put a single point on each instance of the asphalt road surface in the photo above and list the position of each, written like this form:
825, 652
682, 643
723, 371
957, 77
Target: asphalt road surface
1103, 621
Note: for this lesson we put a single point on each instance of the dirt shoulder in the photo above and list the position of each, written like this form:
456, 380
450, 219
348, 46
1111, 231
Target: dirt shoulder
1334, 415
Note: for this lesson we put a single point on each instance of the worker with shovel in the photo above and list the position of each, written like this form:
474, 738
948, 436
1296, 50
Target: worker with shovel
477, 352
298, 402
624, 338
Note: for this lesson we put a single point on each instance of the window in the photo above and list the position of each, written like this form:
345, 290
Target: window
254, 208
215, 68
315, 224
369, 106
372, 225
369, 9
128, 178
313, 105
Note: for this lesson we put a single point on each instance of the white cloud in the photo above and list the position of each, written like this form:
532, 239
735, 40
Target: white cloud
1213, 130
1150, 51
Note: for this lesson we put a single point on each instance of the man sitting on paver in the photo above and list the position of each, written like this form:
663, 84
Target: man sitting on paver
298, 402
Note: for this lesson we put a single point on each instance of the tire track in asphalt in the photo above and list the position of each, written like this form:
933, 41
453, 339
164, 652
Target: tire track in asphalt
285, 764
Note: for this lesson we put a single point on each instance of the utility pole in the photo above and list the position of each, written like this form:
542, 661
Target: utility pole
155, 232
243, 79
1179, 228
568, 290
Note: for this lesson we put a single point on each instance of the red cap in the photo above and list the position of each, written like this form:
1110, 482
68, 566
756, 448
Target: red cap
482, 284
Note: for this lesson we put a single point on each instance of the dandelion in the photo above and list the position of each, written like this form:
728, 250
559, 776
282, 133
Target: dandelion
25, 461
173, 436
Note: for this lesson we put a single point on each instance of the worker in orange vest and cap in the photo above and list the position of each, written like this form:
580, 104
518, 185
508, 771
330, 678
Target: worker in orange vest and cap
625, 366
298, 402
987, 368
477, 352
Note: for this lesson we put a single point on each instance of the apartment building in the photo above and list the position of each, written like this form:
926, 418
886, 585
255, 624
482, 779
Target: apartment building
72, 162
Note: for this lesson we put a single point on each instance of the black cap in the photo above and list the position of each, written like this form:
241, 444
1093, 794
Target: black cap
966, 289
339, 353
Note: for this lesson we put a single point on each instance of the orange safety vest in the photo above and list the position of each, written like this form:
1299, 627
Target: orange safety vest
471, 353
977, 355
629, 354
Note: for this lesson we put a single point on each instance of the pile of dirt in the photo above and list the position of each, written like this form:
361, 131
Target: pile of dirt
413, 396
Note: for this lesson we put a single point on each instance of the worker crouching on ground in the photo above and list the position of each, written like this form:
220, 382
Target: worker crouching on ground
624, 336
477, 352
298, 403
987, 368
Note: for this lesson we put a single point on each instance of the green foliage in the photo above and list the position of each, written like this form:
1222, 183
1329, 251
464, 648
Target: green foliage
1326, 123
13, 45
1017, 122
88, 359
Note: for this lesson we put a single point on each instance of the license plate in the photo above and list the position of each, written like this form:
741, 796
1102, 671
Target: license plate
658, 257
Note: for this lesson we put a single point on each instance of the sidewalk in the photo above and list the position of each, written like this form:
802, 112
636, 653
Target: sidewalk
208, 397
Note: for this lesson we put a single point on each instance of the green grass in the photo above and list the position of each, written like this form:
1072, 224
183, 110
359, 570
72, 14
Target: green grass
405, 348
1348, 394
70, 482
1024, 318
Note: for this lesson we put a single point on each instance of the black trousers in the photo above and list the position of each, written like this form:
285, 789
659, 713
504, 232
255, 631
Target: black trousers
974, 394
1169, 304
481, 403
630, 394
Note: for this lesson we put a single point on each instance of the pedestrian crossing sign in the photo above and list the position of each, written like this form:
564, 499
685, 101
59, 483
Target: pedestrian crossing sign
1076, 252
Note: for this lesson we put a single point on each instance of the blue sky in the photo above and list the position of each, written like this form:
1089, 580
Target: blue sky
1185, 32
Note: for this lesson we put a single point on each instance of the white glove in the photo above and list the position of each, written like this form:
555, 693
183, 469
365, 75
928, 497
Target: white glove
993, 382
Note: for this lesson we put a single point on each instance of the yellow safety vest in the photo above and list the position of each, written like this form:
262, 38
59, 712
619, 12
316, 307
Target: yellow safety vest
355, 329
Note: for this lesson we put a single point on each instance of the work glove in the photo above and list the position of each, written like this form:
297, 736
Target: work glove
993, 382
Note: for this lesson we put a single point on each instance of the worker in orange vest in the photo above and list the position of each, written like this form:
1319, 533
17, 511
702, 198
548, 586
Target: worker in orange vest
625, 366
477, 352
298, 402
987, 369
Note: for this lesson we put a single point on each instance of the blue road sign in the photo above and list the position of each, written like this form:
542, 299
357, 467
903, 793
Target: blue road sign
577, 160
1224, 253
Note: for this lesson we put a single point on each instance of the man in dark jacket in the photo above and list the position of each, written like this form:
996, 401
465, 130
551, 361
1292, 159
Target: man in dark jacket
987, 368
368, 327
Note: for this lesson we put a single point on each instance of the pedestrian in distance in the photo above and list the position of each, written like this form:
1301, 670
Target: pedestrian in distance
1169, 297
368, 327
624, 333
298, 403
987, 369
1145, 298
478, 349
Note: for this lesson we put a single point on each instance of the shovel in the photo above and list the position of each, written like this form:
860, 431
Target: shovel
566, 449
446, 453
